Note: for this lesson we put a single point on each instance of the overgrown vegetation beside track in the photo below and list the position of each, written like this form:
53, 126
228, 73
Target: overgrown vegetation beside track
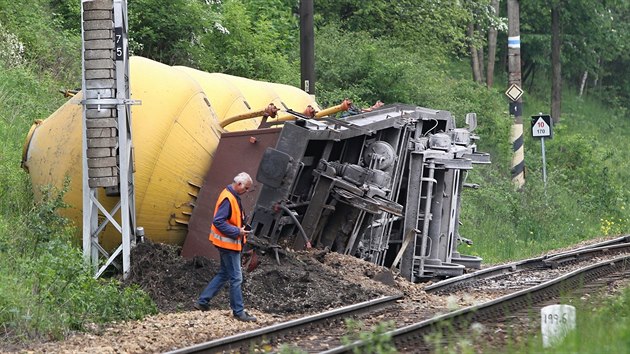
602, 325
45, 291
586, 195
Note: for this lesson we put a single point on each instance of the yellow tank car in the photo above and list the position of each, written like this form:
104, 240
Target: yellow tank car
232, 96
175, 133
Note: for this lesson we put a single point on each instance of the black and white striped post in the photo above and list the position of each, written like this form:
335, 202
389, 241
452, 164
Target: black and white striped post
514, 92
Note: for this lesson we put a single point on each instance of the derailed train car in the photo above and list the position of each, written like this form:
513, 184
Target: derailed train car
383, 185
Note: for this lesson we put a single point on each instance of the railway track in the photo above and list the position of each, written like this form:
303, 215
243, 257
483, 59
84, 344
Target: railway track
551, 261
507, 290
412, 338
267, 336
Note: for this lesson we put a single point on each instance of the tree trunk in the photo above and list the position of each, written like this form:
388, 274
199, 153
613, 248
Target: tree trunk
528, 73
492, 47
596, 80
474, 57
556, 80
481, 61
583, 83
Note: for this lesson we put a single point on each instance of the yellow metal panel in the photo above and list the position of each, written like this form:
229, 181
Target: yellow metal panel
293, 97
174, 135
230, 96
227, 99
54, 152
187, 155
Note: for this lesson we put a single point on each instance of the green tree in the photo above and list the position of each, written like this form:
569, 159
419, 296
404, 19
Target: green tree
436, 27
168, 31
592, 40
252, 43
47, 43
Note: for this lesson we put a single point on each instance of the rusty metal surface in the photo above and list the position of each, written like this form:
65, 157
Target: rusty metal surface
237, 152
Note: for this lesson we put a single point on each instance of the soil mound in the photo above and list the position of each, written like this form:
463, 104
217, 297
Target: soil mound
303, 282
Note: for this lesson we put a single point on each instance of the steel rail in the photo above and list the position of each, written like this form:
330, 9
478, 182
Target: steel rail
551, 260
244, 342
412, 336
578, 255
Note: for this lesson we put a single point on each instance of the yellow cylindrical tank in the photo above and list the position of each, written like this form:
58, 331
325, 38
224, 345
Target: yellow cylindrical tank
232, 96
175, 132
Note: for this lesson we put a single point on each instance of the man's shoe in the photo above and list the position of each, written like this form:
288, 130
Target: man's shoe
245, 317
201, 307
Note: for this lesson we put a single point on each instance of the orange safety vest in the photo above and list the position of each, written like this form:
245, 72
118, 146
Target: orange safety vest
236, 218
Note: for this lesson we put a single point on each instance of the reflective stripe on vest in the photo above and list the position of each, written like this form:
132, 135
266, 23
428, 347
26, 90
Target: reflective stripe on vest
236, 219
216, 238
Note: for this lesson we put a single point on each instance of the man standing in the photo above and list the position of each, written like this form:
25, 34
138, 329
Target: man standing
228, 234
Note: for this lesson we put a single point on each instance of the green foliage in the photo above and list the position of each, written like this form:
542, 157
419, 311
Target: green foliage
47, 44
376, 340
45, 287
594, 37
508, 224
253, 39
437, 27
25, 97
251, 44
68, 14
168, 31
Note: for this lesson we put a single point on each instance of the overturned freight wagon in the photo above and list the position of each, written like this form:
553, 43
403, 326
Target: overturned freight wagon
383, 185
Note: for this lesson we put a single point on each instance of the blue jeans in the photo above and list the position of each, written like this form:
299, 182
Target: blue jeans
230, 271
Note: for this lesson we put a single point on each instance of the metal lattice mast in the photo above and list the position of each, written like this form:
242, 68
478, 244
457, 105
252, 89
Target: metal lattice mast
107, 147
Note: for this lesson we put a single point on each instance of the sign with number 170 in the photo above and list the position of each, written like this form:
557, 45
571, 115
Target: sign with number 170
541, 126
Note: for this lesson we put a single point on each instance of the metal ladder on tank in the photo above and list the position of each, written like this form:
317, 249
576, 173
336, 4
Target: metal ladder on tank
107, 147
421, 253
415, 241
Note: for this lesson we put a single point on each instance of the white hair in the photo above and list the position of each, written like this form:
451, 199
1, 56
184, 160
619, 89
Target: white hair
242, 178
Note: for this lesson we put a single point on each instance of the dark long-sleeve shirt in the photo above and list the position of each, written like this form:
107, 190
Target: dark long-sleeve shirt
224, 213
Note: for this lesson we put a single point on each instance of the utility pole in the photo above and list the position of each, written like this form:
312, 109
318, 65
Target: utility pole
556, 63
514, 83
307, 46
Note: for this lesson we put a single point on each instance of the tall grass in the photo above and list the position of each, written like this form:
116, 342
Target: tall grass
46, 290
585, 195
602, 326
601, 330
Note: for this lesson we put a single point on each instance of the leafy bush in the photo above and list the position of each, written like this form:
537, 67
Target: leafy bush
47, 44
46, 288
251, 44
